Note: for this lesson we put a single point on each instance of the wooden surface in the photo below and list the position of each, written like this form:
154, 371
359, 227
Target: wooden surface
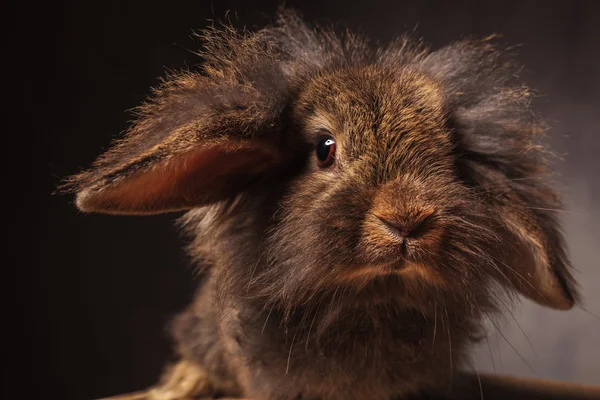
496, 387
471, 387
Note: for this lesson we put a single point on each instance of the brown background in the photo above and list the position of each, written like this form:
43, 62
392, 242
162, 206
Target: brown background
90, 294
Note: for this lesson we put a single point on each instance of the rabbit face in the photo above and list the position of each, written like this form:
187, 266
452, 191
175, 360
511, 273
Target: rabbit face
390, 209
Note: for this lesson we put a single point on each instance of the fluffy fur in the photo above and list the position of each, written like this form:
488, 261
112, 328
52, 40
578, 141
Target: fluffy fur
307, 293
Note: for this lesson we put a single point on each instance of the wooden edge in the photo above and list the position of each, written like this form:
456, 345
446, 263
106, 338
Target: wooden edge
491, 386
468, 386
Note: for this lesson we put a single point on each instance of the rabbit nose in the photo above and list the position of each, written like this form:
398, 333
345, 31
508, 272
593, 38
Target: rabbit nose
402, 229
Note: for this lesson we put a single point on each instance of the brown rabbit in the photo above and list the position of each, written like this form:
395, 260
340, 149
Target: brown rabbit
357, 211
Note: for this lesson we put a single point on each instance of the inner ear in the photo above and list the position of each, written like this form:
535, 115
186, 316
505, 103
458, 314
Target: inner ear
205, 174
535, 266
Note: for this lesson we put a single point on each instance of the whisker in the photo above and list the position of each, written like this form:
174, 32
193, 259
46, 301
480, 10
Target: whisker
478, 378
267, 319
487, 341
588, 311
508, 310
524, 334
449, 343
287, 368
252, 273
513, 347
487, 335
434, 327
309, 330
556, 210
498, 350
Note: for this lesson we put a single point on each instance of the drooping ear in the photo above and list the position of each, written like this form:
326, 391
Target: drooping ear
531, 256
500, 154
201, 138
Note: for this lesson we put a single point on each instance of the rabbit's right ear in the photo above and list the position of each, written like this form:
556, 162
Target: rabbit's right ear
200, 139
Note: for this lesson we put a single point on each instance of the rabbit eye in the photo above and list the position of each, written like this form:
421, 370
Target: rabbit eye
326, 152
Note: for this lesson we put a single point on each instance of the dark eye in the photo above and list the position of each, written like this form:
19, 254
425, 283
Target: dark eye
326, 152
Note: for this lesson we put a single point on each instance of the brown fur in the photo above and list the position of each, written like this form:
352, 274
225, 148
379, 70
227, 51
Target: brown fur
308, 293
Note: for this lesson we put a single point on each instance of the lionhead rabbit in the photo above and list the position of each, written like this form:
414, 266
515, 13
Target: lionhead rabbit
357, 212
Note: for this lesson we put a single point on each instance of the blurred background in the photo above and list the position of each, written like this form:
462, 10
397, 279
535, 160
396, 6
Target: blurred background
92, 293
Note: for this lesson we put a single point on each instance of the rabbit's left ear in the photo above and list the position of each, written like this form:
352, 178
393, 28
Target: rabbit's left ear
201, 139
498, 137
532, 258
537, 265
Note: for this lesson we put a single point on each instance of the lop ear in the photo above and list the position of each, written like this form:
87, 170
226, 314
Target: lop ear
531, 257
500, 154
537, 265
201, 138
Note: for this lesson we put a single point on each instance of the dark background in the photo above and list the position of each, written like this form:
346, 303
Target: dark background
91, 294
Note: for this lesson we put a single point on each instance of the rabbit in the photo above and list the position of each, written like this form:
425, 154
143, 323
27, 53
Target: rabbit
357, 211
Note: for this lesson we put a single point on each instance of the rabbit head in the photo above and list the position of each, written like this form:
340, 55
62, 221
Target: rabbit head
312, 163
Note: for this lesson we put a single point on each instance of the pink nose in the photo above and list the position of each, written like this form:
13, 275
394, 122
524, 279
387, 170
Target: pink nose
402, 229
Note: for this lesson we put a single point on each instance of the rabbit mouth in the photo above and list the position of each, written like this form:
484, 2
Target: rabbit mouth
369, 272
403, 269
